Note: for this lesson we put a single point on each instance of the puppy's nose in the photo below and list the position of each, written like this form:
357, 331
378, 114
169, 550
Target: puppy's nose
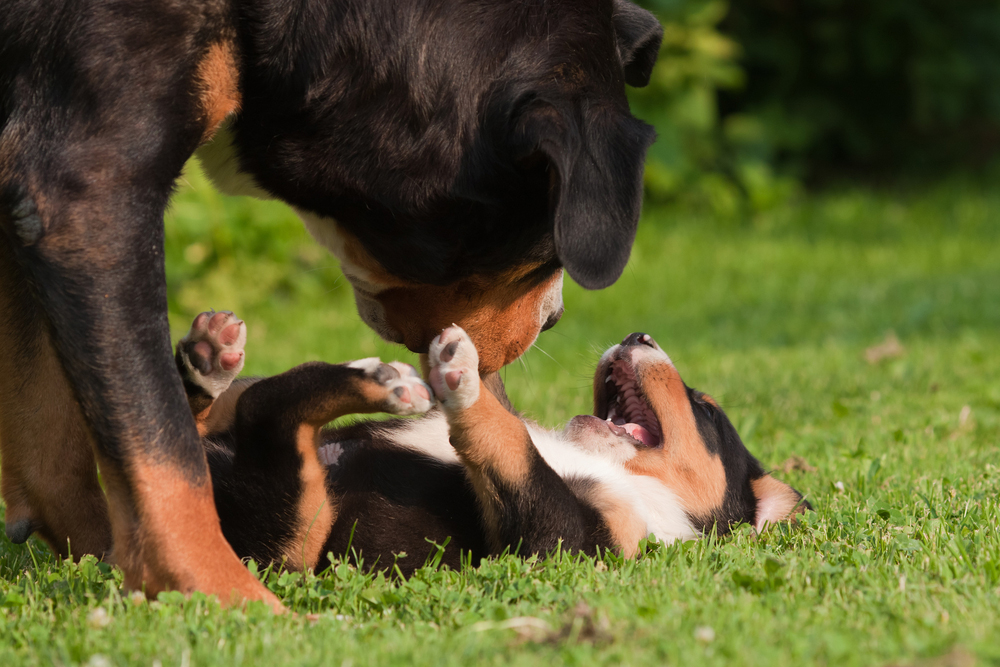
553, 318
638, 338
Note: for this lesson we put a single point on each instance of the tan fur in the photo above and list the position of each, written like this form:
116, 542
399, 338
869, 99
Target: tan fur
218, 84
627, 528
220, 414
182, 547
489, 438
48, 473
492, 443
684, 463
776, 499
499, 312
315, 513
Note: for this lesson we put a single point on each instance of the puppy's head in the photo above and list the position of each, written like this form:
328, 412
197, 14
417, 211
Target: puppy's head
455, 155
655, 425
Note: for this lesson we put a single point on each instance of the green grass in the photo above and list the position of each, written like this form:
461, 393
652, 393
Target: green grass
900, 563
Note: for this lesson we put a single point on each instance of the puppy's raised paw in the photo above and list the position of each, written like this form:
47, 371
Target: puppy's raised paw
397, 387
211, 354
454, 373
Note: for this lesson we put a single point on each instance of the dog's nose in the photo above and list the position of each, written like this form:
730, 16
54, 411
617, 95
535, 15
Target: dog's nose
553, 318
638, 338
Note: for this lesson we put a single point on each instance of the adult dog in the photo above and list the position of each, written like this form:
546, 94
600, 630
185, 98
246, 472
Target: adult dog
454, 154
655, 457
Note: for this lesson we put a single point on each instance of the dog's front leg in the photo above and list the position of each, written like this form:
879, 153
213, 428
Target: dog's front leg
526, 505
88, 159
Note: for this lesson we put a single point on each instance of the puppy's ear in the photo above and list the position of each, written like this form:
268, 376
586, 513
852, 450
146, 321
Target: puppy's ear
639, 35
776, 501
596, 192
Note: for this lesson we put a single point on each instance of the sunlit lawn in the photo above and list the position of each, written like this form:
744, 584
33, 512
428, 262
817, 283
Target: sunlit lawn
773, 316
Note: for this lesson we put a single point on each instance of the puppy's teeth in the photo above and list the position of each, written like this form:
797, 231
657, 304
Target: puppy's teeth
608, 380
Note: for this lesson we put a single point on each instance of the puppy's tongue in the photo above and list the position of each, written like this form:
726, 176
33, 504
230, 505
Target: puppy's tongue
620, 427
640, 434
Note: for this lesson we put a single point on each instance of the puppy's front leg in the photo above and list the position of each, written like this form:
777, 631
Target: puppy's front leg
524, 501
272, 496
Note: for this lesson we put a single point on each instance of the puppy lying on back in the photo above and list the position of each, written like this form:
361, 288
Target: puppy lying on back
656, 457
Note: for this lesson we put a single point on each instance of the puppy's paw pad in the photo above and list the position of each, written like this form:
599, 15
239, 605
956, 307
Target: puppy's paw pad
454, 374
405, 391
212, 351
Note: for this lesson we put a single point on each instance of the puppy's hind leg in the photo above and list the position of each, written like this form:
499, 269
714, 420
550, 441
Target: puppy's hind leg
208, 359
275, 506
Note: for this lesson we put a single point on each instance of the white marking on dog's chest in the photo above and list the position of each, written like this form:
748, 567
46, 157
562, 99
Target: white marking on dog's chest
648, 497
427, 436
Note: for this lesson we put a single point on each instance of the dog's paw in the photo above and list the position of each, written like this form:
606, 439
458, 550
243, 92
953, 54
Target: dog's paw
454, 373
401, 390
212, 351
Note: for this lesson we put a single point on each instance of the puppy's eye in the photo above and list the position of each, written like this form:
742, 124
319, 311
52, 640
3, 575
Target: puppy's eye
705, 407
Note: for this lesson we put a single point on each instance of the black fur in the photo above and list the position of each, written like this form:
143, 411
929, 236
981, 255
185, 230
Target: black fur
430, 129
470, 105
742, 468
431, 503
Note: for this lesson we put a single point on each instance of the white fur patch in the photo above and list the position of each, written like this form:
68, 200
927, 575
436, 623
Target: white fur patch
552, 301
427, 436
330, 454
652, 501
368, 364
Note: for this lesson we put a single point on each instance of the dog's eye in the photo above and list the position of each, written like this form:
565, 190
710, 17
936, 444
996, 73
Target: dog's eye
705, 407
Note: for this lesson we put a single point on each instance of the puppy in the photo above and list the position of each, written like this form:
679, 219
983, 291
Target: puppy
656, 457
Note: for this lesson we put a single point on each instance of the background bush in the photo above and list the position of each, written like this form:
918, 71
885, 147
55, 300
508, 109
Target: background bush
753, 97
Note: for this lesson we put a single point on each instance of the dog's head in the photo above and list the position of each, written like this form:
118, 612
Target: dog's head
655, 425
455, 154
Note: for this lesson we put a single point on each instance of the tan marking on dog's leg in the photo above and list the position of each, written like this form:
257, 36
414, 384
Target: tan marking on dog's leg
316, 513
49, 480
495, 446
626, 527
186, 551
218, 81
219, 416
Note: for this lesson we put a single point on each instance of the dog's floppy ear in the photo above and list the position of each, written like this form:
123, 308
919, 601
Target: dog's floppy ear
596, 193
639, 35
776, 501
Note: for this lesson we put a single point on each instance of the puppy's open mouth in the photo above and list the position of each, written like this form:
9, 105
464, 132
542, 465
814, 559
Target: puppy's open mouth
624, 407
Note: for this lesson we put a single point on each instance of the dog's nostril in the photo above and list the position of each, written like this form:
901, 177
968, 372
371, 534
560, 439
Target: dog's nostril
638, 338
553, 318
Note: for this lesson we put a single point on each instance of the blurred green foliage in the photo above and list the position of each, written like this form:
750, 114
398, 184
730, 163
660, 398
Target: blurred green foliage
753, 97
883, 85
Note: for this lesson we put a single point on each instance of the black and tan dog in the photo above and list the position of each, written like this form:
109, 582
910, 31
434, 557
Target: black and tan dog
454, 155
656, 457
